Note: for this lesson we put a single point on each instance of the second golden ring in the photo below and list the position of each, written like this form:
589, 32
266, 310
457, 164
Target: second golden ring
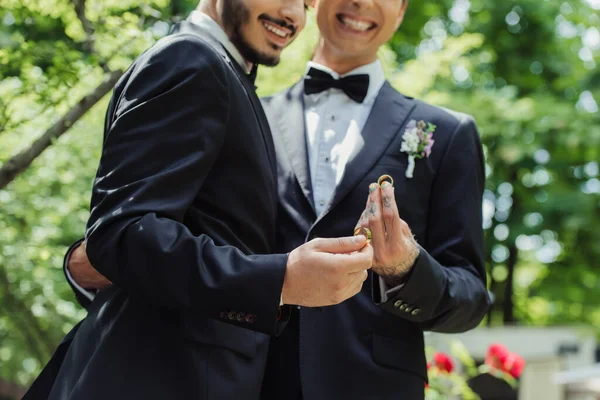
385, 178
366, 232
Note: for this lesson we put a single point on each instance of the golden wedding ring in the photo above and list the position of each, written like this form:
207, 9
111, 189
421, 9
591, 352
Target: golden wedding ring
385, 178
366, 232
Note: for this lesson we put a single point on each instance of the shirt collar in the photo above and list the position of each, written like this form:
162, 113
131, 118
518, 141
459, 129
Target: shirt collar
374, 70
214, 29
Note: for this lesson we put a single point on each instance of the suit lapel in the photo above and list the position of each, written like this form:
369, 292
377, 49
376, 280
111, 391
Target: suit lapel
292, 131
249, 88
388, 115
260, 116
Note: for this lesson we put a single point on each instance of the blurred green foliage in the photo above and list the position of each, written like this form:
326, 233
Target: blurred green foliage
527, 70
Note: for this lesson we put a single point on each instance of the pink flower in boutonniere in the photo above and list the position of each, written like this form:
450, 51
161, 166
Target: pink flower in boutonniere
417, 142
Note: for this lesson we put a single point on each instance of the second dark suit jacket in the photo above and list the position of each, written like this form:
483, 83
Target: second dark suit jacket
365, 348
183, 202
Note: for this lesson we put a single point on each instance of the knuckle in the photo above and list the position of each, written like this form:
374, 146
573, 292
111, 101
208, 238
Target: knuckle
315, 243
339, 286
388, 213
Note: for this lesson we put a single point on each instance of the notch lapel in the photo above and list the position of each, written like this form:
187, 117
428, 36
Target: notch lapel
289, 114
389, 113
191, 28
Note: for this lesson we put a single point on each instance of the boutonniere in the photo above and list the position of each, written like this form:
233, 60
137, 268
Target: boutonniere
417, 142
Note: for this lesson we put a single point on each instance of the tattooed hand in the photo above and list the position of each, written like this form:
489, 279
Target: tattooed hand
395, 249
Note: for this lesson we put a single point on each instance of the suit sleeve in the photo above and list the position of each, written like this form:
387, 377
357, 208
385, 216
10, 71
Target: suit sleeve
167, 128
446, 290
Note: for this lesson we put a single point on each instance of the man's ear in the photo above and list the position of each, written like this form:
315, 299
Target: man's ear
400, 17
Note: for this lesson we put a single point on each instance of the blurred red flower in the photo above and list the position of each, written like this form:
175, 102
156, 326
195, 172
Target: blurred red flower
443, 362
514, 365
500, 358
497, 355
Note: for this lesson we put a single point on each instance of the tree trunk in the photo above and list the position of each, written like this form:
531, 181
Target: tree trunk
508, 306
493, 285
21, 161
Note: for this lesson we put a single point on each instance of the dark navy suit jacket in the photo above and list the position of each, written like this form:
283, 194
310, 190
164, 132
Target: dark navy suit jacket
183, 223
365, 348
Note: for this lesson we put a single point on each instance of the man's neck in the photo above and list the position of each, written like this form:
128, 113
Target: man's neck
209, 8
339, 62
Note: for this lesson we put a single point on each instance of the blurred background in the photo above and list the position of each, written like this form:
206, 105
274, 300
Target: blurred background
527, 70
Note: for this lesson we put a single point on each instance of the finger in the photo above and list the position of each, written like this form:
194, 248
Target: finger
376, 224
357, 277
354, 284
339, 245
391, 216
364, 218
355, 262
363, 222
357, 285
364, 258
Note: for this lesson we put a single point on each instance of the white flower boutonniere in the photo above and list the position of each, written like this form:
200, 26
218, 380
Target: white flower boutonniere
417, 142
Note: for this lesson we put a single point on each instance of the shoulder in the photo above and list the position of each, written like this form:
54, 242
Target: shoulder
443, 117
450, 126
178, 63
182, 54
453, 129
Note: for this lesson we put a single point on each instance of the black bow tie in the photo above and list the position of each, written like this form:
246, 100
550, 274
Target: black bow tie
355, 86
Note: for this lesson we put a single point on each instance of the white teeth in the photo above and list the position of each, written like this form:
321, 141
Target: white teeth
276, 31
356, 25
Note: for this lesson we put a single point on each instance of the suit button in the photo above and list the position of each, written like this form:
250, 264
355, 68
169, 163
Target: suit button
223, 314
408, 309
232, 315
402, 306
241, 317
398, 303
416, 311
250, 318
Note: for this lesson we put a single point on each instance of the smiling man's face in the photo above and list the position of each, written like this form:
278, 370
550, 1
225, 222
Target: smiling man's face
357, 28
261, 29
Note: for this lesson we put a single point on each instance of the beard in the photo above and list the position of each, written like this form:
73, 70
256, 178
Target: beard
234, 16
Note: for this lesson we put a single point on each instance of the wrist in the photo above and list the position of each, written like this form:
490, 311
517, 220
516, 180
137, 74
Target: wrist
399, 273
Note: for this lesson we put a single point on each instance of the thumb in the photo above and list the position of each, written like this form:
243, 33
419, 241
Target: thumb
346, 244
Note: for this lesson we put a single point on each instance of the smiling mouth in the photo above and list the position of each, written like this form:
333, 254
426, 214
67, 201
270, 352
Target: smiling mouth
279, 32
355, 24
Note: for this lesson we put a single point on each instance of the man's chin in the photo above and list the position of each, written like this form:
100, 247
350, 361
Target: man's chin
266, 59
255, 56
270, 61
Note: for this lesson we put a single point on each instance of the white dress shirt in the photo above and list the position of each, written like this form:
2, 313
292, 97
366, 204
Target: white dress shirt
333, 128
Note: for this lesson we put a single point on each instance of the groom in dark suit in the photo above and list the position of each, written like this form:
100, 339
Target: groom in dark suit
183, 222
336, 132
